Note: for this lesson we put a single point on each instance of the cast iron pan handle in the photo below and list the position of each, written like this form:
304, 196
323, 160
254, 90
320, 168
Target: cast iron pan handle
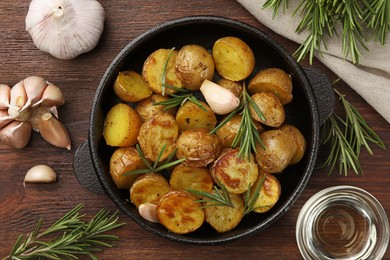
323, 92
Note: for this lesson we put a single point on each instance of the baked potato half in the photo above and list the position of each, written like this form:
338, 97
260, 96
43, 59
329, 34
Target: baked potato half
147, 108
184, 178
130, 86
148, 188
191, 116
271, 107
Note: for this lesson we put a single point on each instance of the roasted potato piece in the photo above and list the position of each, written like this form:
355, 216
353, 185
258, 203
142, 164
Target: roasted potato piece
146, 108
234, 59
193, 65
234, 86
191, 116
121, 126
153, 69
235, 173
179, 212
272, 80
224, 218
299, 139
157, 132
278, 153
148, 188
184, 177
228, 132
130, 86
269, 192
125, 159
198, 147
271, 107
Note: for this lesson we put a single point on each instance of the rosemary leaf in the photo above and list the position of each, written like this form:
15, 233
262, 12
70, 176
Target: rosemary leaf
250, 202
164, 73
218, 197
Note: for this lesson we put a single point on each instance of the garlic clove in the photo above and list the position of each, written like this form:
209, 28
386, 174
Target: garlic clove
5, 94
53, 131
65, 28
148, 212
34, 87
52, 96
36, 116
16, 134
40, 173
220, 100
5, 119
18, 97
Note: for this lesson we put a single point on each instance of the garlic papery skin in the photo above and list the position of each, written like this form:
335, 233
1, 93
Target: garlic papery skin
52, 96
18, 98
16, 134
220, 100
5, 93
53, 131
5, 119
34, 87
40, 173
65, 28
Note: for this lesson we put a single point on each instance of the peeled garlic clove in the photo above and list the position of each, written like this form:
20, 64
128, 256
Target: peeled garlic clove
16, 134
5, 94
54, 132
34, 87
40, 173
148, 212
52, 96
65, 28
220, 100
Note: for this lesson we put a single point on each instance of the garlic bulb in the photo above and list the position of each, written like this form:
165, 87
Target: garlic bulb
31, 104
65, 28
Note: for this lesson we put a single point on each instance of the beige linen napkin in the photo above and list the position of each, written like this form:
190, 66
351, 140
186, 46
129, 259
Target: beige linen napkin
371, 79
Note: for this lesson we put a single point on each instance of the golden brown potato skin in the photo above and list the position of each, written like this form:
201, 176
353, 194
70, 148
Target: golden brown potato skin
234, 59
191, 116
179, 212
184, 177
228, 132
125, 159
193, 65
235, 173
299, 140
130, 86
223, 218
148, 188
272, 80
198, 147
155, 133
271, 107
269, 193
121, 126
146, 108
153, 68
234, 86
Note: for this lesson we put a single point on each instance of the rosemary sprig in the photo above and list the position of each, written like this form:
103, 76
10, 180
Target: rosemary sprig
73, 237
346, 138
220, 196
320, 17
248, 135
155, 167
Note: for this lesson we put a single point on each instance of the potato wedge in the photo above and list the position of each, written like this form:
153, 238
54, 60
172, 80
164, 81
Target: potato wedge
153, 69
224, 218
234, 59
157, 132
148, 188
147, 109
269, 193
299, 139
272, 80
179, 213
184, 177
130, 86
235, 173
121, 126
193, 65
198, 147
125, 159
271, 107
191, 116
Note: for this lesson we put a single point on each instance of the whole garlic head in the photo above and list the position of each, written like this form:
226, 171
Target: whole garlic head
65, 28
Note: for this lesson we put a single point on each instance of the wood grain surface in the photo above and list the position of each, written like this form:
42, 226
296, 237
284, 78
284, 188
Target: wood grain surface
21, 207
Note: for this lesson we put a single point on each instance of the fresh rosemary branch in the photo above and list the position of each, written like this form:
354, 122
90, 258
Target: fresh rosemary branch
320, 17
155, 167
74, 237
218, 197
346, 138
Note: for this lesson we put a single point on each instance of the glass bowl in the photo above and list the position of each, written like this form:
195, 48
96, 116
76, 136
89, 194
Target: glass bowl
342, 222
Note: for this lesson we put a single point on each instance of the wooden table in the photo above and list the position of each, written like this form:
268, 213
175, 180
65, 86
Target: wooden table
21, 207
